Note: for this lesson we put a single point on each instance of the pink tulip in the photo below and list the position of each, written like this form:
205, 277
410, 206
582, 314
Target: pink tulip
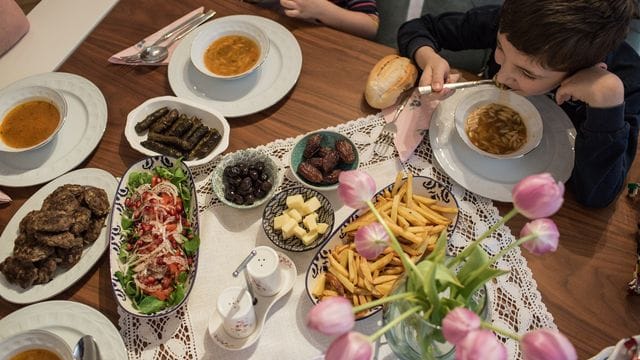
458, 323
331, 316
546, 233
371, 240
547, 344
355, 188
538, 196
480, 345
350, 346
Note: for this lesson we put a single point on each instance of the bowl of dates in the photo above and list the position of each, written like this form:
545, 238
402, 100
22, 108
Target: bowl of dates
246, 179
318, 158
178, 128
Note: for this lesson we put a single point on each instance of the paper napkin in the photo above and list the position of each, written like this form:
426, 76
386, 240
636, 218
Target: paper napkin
4, 198
413, 120
150, 39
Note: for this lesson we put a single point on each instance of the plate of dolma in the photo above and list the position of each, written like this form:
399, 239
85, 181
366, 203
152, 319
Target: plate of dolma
179, 128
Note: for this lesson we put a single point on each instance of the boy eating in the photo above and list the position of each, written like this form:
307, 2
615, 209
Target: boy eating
571, 48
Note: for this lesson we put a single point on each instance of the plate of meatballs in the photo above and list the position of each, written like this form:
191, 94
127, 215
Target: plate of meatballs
56, 236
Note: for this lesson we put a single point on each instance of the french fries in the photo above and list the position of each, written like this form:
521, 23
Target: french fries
415, 220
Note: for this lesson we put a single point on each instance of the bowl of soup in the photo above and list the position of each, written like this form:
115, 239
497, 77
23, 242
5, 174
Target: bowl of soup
229, 49
498, 123
30, 117
35, 344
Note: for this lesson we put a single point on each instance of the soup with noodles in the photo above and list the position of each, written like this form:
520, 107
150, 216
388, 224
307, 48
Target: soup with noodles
231, 55
496, 129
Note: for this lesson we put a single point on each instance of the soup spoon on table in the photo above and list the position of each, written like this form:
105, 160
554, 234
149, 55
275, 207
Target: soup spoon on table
157, 53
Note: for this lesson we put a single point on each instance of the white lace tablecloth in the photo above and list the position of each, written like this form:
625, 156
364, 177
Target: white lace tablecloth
228, 235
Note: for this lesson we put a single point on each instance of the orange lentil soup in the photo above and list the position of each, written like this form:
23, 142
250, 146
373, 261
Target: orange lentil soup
231, 55
36, 354
29, 124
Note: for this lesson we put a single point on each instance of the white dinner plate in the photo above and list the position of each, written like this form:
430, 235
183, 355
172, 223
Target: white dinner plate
494, 178
250, 94
69, 320
80, 134
62, 279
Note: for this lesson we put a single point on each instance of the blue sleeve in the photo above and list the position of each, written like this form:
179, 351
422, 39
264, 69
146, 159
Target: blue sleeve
475, 29
607, 139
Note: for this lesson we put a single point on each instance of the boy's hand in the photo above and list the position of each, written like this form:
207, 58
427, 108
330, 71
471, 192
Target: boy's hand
435, 69
594, 86
304, 9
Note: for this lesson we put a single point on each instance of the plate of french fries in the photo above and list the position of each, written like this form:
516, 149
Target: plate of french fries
416, 209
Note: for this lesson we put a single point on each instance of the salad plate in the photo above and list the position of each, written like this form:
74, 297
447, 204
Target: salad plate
288, 274
154, 238
82, 130
70, 320
62, 279
494, 178
422, 185
250, 94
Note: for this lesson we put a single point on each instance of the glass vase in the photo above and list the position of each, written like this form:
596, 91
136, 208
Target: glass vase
415, 338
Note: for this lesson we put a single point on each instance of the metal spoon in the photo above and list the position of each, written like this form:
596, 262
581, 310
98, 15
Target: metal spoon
86, 349
156, 53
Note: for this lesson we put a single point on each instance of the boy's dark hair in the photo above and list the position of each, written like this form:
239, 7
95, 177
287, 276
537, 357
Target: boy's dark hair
567, 35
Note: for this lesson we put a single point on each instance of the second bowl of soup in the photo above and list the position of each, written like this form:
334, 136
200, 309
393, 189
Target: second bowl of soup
498, 123
229, 49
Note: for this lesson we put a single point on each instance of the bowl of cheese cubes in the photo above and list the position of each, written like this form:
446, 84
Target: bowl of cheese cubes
298, 219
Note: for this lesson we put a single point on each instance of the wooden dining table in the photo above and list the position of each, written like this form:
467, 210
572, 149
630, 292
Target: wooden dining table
583, 284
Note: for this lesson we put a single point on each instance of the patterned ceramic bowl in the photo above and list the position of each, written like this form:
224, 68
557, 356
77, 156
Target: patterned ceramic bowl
248, 156
423, 186
329, 139
278, 204
130, 298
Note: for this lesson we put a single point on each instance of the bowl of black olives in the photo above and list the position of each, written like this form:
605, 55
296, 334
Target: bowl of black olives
246, 179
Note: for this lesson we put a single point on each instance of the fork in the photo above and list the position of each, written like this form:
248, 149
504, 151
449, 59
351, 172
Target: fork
166, 36
384, 142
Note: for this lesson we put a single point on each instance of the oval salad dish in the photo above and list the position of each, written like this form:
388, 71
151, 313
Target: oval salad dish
154, 238
338, 269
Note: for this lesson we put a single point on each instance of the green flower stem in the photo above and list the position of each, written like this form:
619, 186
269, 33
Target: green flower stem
386, 299
500, 331
467, 251
514, 244
373, 337
408, 264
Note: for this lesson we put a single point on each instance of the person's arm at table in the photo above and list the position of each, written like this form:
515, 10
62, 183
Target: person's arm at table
421, 39
354, 22
607, 133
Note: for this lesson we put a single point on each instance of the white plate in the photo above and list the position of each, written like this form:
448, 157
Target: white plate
250, 94
288, 274
210, 117
69, 320
90, 255
494, 178
80, 134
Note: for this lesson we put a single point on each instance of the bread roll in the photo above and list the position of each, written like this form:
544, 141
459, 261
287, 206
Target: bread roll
391, 76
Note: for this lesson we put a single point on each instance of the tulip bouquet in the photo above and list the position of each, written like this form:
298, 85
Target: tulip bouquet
441, 288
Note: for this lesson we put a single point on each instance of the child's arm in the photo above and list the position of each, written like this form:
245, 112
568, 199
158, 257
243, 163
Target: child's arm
330, 14
607, 126
422, 39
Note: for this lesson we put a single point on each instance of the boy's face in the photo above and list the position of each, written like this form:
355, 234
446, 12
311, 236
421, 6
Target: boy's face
521, 72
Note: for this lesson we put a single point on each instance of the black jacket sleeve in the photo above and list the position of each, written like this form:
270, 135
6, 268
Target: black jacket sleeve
475, 29
607, 139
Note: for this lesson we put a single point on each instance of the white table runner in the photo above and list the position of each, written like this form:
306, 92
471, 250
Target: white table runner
227, 236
